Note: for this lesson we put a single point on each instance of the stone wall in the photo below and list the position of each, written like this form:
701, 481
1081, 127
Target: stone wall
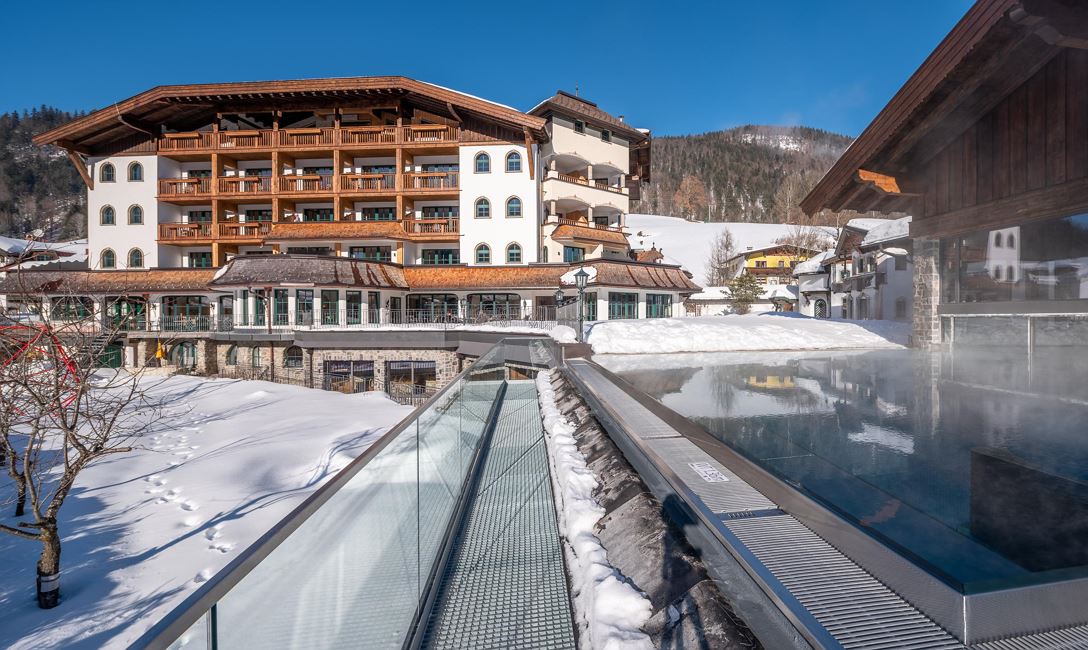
926, 325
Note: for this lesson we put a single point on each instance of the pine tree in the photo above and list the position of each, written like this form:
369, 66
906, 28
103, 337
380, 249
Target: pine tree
744, 289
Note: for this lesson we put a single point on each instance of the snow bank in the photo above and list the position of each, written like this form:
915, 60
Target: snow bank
610, 611
771, 331
142, 530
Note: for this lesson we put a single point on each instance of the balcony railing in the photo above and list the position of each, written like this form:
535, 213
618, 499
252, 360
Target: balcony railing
368, 182
432, 226
245, 184
563, 221
579, 180
431, 181
184, 231
306, 183
310, 138
185, 187
254, 230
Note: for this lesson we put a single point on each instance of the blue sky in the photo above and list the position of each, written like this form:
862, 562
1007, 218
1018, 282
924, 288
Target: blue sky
674, 67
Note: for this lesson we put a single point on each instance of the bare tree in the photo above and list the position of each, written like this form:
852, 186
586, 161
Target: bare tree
802, 241
691, 198
717, 264
62, 414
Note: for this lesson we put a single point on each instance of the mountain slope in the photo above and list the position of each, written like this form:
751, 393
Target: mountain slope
751, 173
39, 187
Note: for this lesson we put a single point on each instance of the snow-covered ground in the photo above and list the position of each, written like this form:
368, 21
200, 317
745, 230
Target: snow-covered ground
735, 333
689, 243
142, 530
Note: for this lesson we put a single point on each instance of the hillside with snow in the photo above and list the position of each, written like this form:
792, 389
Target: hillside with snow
689, 243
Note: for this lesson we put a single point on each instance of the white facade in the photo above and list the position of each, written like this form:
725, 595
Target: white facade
123, 197
498, 231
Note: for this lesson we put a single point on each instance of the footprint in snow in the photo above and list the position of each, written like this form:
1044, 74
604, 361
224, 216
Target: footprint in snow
203, 576
222, 547
190, 522
212, 533
189, 506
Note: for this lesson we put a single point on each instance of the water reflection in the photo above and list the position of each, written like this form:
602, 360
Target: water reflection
974, 463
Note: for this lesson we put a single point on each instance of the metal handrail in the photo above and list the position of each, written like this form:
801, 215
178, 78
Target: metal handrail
164, 633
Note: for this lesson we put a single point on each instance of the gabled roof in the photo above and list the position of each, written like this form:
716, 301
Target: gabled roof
890, 231
568, 104
162, 103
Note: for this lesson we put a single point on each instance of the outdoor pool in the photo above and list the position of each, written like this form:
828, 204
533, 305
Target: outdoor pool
973, 464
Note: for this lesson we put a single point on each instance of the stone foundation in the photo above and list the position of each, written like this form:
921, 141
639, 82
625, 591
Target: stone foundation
926, 323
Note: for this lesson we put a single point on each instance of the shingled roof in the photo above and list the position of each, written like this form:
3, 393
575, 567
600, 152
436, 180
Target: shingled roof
106, 282
569, 104
337, 230
589, 233
262, 270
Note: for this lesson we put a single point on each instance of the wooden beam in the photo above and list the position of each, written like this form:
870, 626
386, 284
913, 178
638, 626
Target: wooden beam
1057, 23
453, 112
882, 183
529, 154
81, 167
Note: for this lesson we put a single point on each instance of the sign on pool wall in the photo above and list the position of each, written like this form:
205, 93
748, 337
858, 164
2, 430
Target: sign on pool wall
709, 473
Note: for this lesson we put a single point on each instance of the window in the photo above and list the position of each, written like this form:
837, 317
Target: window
513, 162
260, 308
316, 214
71, 308
378, 214
997, 240
255, 357
135, 215
513, 254
354, 305
761, 264
1010, 274
304, 307
441, 256
292, 357
330, 307
108, 215
232, 355
279, 307
200, 216
263, 172
997, 272
371, 253
781, 264
483, 163
309, 250
513, 207
658, 305
494, 305
260, 214
606, 135
107, 174
107, 259
1010, 241
244, 299
573, 254
590, 307
622, 305
135, 259
900, 263
900, 308
200, 260
483, 209
483, 254
440, 211
135, 172
579, 126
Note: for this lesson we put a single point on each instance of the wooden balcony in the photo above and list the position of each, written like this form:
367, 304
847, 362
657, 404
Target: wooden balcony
185, 187
432, 226
431, 181
581, 223
249, 185
234, 140
580, 180
317, 138
306, 184
364, 183
189, 141
185, 232
372, 135
248, 231
428, 134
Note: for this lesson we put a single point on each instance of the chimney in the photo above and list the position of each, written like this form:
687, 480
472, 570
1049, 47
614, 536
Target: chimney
620, 117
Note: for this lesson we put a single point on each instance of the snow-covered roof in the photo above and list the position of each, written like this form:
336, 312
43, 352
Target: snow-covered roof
865, 224
771, 292
74, 251
890, 231
815, 264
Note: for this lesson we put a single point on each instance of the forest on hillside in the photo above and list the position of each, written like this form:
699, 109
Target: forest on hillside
749, 173
39, 187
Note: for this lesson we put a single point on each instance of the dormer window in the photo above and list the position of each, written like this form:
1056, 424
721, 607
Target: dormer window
579, 126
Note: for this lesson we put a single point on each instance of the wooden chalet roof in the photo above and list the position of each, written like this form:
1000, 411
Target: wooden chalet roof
589, 233
996, 46
643, 276
337, 230
650, 255
547, 276
182, 104
272, 270
106, 282
575, 106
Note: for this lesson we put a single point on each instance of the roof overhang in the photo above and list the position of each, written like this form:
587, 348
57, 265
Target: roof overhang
994, 48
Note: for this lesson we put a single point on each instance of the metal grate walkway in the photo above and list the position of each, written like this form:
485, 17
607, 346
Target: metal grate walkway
505, 586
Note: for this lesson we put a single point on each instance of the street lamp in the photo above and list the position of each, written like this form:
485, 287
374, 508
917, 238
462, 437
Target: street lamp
558, 301
580, 280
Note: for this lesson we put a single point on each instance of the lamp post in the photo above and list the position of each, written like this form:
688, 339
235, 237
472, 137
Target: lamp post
580, 279
558, 301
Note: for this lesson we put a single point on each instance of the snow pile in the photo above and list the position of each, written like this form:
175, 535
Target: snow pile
890, 231
813, 265
142, 530
866, 223
611, 612
689, 243
563, 334
568, 277
770, 331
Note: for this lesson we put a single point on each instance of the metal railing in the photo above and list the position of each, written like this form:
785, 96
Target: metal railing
356, 563
351, 319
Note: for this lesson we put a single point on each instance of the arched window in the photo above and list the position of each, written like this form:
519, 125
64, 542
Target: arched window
513, 162
135, 215
184, 354
483, 254
255, 356
1010, 274
513, 254
232, 355
483, 163
135, 172
483, 209
107, 174
997, 272
108, 215
135, 259
107, 259
1010, 241
997, 240
292, 357
513, 207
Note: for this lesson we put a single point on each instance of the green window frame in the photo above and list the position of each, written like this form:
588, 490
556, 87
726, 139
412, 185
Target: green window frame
200, 260
280, 314
304, 307
658, 305
354, 307
622, 305
260, 308
589, 309
441, 256
245, 306
330, 307
573, 254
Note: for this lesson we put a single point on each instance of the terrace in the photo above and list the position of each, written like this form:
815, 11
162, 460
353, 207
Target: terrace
308, 139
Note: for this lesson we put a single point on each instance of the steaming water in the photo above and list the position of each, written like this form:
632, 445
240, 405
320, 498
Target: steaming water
975, 464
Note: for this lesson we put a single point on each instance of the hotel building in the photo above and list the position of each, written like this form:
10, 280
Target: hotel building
256, 224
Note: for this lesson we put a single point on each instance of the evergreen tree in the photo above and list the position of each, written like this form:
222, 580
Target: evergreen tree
745, 290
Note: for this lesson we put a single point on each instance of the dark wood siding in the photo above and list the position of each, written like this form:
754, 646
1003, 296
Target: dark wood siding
1020, 161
